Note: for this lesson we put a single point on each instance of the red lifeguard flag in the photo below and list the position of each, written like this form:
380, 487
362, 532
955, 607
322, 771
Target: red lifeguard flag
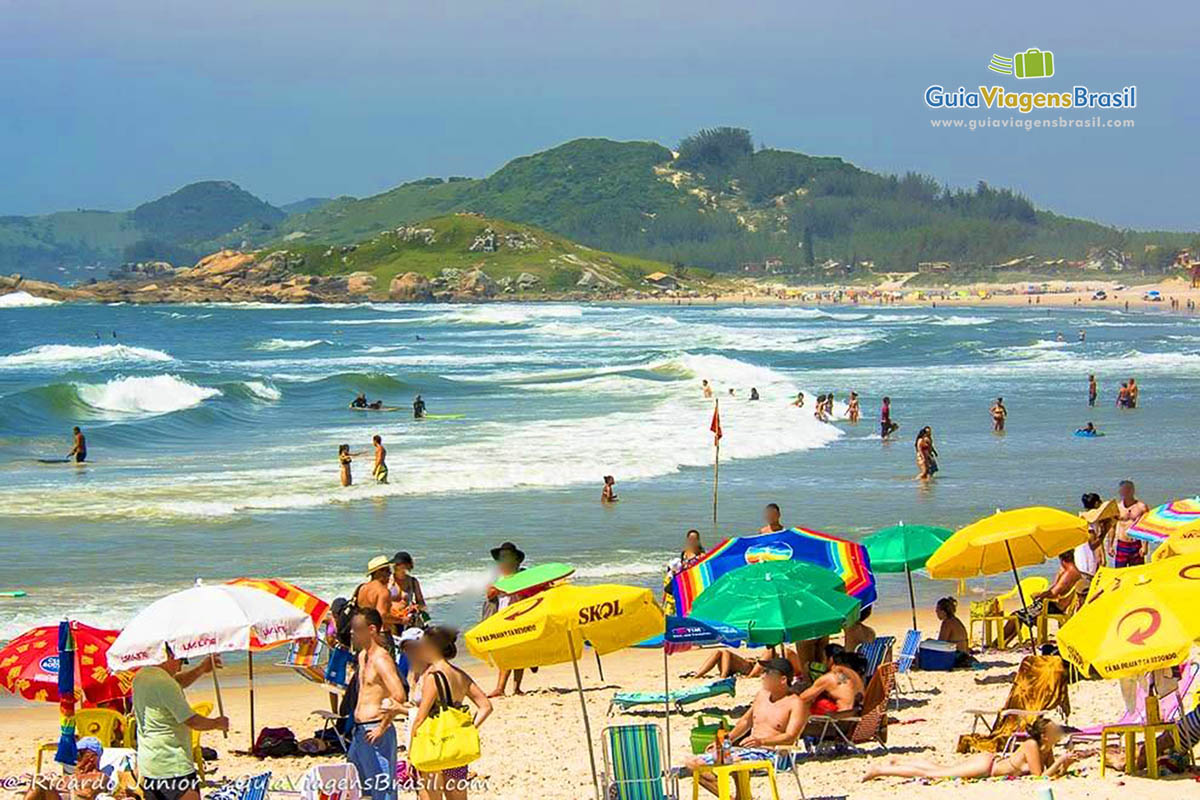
716, 425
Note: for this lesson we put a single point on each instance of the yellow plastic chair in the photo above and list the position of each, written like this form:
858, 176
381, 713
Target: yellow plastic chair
99, 722
203, 709
1008, 604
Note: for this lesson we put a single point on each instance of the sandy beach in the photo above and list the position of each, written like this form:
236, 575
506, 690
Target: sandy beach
533, 745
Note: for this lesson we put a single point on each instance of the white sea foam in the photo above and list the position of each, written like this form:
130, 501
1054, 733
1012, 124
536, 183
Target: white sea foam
25, 300
144, 396
289, 344
70, 356
263, 391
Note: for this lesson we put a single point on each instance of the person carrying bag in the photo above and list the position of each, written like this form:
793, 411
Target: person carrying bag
447, 738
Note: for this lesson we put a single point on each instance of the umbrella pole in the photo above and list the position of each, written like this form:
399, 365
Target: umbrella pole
667, 702
599, 666
716, 467
217, 688
587, 726
912, 599
250, 670
1021, 593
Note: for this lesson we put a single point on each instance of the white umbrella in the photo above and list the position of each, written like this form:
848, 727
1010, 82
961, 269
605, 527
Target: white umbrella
203, 621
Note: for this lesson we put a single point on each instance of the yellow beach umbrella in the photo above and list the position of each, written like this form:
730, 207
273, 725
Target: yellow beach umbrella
1177, 546
1007, 540
551, 627
1136, 619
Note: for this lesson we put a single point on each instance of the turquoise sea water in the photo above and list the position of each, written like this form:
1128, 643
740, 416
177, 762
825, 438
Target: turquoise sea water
213, 434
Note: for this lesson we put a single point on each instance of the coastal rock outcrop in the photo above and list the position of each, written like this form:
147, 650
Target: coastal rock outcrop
410, 287
477, 283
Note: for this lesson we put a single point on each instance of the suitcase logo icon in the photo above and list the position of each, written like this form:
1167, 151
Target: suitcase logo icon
1033, 63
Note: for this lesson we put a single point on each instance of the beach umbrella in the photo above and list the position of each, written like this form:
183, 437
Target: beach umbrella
205, 620
66, 752
307, 602
551, 627
847, 559
1176, 547
1176, 519
777, 602
1136, 619
1007, 540
30, 665
904, 548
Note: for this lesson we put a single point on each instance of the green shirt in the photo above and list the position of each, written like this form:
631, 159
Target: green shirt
164, 741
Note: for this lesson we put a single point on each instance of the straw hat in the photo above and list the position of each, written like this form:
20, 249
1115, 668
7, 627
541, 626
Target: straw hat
377, 563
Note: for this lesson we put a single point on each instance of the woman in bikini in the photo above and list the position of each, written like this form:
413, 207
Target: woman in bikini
853, 412
1031, 758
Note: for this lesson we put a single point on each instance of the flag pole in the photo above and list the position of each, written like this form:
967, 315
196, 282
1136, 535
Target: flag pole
716, 427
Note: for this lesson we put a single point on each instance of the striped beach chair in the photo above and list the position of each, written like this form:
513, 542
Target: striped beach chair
876, 652
633, 764
251, 787
906, 660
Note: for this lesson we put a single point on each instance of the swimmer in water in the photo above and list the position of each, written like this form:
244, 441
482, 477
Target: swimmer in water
853, 412
706, 388
753, 393
360, 401
1088, 430
79, 450
381, 469
418, 408
344, 459
999, 415
799, 401
819, 408
609, 493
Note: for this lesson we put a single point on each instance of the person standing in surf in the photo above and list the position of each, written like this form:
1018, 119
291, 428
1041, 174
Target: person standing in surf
609, 493
926, 454
1093, 390
853, 412
886, 426
999, 415
79, 450
771, 516
344, 459
706, 388
381, 469
418, 408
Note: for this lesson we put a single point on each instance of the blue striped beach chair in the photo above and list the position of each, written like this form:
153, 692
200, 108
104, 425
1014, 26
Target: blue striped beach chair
906, 660
633, 764
876, 652
252, 787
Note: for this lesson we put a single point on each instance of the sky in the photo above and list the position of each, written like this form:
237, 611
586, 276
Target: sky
107, 105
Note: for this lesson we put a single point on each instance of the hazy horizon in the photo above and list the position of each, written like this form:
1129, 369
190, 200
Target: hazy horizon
110, 108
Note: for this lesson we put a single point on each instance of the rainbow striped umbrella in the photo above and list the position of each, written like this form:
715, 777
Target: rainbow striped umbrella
849, 560
1176, 519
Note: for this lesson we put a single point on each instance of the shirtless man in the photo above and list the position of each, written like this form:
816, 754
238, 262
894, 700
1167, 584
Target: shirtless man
1133, 393
1123, 549
381, 698
771, 516
375, 594
707, 389
859, 633
381, 470
999, 415
838, 690
79, 450
1093, 390
775, 718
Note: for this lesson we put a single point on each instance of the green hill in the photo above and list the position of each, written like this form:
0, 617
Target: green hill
464, 241
721, 202
180, 228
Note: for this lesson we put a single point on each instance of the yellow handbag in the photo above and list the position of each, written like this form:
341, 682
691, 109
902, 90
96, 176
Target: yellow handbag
447, 738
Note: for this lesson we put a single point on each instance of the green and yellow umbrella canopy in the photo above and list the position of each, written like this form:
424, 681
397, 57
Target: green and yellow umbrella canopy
1136, 619
1007, 540
551, 627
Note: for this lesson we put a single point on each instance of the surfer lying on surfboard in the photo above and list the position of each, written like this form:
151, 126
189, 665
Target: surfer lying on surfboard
361, 402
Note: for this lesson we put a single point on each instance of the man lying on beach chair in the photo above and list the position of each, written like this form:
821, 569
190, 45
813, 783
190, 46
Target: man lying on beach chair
1040, 686
678, 697
775, 719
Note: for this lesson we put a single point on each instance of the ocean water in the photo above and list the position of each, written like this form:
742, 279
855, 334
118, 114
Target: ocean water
213, 434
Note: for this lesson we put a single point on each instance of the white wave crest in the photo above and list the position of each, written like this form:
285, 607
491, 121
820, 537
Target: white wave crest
263, 391
70, 356
25, 300
144, 396
289, 344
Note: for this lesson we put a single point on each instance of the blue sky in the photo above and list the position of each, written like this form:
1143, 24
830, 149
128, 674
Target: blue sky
107, 105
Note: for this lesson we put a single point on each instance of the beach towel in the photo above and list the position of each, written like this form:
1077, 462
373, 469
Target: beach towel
1040, 685
678, 697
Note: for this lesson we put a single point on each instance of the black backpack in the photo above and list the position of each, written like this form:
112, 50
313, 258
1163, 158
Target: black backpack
342, 610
